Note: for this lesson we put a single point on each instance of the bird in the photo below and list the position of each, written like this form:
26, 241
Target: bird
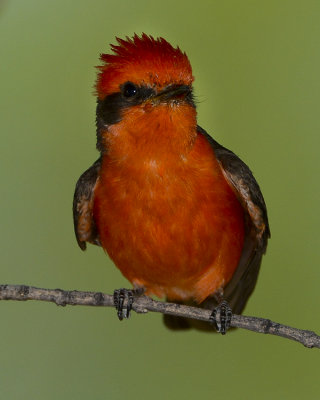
181, 216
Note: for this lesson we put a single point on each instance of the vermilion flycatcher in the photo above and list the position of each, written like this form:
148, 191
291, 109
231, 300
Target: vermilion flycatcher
181, 216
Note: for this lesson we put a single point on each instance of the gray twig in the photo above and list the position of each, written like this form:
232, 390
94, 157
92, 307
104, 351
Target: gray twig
143, 304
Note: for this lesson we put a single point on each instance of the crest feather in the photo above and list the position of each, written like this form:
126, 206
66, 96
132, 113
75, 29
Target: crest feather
142, 60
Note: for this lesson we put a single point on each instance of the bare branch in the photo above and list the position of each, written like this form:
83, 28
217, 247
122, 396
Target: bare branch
143, 304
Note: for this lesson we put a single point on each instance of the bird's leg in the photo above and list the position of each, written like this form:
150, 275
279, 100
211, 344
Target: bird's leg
123, 300
221, 315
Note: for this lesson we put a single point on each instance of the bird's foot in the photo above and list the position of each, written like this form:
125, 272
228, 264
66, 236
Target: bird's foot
221, 317
123, 300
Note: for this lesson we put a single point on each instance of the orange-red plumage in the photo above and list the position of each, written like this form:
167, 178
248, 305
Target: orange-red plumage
179, 215
161, 204
140, 60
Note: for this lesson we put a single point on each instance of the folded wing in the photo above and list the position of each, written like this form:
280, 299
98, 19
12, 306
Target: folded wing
84, 225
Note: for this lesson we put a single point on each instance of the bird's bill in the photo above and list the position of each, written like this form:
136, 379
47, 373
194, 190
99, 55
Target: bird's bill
173, 92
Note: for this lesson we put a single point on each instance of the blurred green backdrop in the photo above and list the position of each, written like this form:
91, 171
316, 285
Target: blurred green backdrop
257, 67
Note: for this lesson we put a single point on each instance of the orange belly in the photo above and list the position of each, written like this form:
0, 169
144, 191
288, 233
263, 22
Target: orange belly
173, 226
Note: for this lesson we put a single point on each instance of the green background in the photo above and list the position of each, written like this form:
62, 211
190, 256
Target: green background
257, 67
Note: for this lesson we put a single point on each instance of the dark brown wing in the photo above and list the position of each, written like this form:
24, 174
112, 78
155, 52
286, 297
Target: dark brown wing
249, 194
244, 280
84, 225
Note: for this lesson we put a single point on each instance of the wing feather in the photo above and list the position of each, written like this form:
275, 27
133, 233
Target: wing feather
84, 225
240, 178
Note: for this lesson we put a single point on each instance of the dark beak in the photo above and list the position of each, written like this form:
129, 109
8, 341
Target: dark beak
174, 92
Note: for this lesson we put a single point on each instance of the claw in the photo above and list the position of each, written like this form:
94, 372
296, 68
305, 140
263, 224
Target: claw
119, 297
221, 317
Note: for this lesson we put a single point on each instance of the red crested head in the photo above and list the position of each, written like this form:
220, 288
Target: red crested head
142, 60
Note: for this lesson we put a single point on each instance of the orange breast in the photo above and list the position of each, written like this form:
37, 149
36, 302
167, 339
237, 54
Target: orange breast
171, 224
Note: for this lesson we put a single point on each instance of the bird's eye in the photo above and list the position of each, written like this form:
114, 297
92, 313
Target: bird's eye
129, 89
